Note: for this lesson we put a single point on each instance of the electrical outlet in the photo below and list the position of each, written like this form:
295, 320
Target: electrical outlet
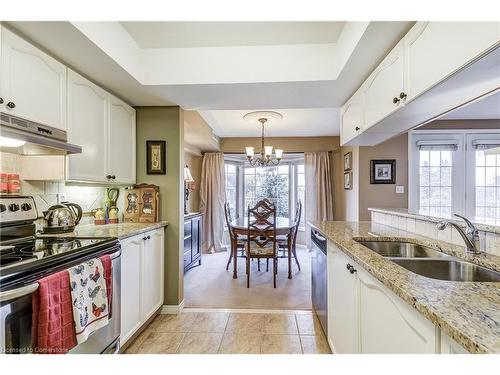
61, 198
400, 189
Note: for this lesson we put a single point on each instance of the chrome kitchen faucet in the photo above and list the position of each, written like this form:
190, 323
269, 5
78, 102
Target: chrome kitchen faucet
470, 235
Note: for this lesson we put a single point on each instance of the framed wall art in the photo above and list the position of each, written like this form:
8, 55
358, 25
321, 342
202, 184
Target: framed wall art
348, 180
348, 161
156, 157
382, 171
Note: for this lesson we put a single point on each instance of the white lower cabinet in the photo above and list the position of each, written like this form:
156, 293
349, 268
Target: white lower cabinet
141, 280
450, 346
364, 316
388, 324
343, 323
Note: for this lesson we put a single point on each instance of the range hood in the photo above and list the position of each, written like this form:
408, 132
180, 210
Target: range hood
39, 139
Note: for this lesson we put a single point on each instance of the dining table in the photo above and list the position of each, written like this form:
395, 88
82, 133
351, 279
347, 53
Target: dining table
284, 227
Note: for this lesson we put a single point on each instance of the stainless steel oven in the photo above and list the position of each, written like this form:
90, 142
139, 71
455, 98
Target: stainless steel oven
16, 319
319, 278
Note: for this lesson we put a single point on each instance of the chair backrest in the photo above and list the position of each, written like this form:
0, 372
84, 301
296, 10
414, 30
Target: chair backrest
298, 215
261, 227
227, 214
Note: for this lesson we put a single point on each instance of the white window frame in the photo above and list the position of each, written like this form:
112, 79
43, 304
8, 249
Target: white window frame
463, 173
471, 167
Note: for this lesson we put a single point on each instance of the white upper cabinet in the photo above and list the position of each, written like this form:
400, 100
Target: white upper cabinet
384, 87
434, 50
121, 136
352, 117
105, 128
32, 84
87, 127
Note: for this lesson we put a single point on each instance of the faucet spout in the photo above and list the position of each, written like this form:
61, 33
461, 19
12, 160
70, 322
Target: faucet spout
470, 235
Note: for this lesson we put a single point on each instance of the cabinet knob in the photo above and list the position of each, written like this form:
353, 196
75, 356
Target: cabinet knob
11, 105
144, 238
357, 128
396, 100
149, 237
108, 177
1, 100
113, 177
402, 96
348, 266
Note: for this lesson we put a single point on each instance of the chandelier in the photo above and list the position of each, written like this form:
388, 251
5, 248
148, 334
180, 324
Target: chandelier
266, 152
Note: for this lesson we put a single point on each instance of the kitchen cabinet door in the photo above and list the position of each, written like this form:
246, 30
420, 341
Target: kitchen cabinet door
352, 117
434, 50
450, 346
152, 290
388, 325
87, 127
343, 317
32, 84
121, 145
131, 285
383, 88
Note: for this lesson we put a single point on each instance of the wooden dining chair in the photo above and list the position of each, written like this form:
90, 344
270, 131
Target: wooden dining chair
236, 241
283, 240
261, 236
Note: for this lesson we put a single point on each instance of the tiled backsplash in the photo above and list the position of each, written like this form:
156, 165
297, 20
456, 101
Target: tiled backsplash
47, 194
489, 239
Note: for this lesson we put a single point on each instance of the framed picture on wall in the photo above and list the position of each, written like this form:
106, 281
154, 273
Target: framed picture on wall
348, 180
348, 161
156, 157
382, 171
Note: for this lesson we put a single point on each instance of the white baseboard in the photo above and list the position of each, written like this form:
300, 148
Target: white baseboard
172, 309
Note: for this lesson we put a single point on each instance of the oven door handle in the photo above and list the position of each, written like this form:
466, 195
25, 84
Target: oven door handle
9, 295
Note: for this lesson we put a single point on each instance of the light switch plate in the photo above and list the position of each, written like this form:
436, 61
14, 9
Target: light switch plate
400, 189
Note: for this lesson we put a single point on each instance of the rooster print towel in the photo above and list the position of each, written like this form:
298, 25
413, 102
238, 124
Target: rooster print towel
89, 298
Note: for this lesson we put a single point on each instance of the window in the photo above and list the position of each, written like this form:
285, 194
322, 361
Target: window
487, 181
283, 184
455, 172
301, 192
435, 178
268, 182
231, 186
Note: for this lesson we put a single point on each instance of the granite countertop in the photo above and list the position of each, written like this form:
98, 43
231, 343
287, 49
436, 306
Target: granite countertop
120, 230
468, 312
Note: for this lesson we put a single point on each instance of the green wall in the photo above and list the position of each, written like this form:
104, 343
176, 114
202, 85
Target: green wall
165, 123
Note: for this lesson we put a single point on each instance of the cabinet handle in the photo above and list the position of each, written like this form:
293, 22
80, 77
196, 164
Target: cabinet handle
396, 100
402, 96
1, 100
11, 105
357, 128
351, 268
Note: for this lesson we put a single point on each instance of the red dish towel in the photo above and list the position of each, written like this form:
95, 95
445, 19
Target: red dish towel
53, 328
108, 271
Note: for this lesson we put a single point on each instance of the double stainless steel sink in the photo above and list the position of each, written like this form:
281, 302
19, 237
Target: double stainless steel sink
431, 263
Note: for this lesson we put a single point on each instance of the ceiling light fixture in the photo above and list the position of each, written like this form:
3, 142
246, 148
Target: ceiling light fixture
266, 151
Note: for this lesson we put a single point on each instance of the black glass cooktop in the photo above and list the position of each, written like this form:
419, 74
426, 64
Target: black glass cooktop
31, 256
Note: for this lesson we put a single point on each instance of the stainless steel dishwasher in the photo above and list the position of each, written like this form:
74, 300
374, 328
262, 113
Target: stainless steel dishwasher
318, 282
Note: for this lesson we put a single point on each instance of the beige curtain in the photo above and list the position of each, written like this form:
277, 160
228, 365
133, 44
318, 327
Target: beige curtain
212, 196
319, 191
